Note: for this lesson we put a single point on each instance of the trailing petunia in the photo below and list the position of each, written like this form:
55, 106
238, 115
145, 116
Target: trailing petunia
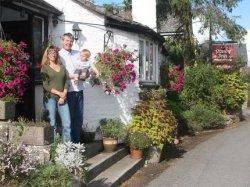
13, 70
116, 69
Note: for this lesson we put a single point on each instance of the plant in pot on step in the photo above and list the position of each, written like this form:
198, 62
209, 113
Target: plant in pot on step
137, 142
13, 76
111, 130
153, 117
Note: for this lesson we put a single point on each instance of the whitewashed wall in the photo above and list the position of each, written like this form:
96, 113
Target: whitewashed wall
98, 105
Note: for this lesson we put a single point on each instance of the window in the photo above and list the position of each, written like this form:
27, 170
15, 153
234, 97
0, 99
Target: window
147, 61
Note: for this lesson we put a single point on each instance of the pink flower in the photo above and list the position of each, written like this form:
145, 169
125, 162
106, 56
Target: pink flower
18, 62
7, 58
21, 92
17, 81
1, 49
23, 67
11, 50
14, 76
114, 70
176, 77
2, 85
22, 44
8, 71
1, 94
10, 85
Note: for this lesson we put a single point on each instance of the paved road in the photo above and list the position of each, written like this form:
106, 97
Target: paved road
223, 160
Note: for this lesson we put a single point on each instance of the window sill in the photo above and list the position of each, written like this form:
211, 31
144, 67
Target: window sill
148, 84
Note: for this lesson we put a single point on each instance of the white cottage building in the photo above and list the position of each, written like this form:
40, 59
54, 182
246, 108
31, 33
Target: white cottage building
36, 21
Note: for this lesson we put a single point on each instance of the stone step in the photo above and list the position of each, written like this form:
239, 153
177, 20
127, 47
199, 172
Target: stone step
102, 161
93, 148
117, 173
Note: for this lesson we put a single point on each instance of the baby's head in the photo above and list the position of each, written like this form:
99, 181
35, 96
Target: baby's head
85, 55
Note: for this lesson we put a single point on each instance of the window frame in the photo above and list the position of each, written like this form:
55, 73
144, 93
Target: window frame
142, 75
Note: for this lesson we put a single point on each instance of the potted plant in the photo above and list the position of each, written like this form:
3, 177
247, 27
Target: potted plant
13, 76
116, 69
152, 116
111, 130
137, 142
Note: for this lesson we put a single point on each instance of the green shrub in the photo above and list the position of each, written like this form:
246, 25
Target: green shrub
199, 85
112, 128
175, 105
153, 117
234, 92
217, 88
50, 174
138, 140
201, 117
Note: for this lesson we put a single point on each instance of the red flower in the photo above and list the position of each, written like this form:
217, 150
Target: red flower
1, 49
11, 50
13, 75
7, 58
176, 77
116, 69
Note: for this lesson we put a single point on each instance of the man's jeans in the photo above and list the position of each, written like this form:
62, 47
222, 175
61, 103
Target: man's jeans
51, 105
75, 101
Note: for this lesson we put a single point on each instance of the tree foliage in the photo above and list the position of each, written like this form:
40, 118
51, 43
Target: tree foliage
215, 12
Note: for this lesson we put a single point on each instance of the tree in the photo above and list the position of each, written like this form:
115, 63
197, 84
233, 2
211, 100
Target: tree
127, 5
214, 15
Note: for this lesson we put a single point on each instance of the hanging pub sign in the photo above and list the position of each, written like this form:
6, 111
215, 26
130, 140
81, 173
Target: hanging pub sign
223, 55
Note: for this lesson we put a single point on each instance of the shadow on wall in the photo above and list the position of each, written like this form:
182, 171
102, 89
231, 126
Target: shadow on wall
127, 100
99, 105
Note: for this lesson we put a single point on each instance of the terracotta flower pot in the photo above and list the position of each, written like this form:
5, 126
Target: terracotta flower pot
136, 153
110, 144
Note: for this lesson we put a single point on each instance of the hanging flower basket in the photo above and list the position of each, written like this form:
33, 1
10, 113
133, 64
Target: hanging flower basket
13, 70
116, 69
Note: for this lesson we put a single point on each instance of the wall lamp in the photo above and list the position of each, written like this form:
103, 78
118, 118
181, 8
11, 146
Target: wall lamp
76, 31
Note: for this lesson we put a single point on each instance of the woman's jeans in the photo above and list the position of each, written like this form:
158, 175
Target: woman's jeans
52, 106
75, 101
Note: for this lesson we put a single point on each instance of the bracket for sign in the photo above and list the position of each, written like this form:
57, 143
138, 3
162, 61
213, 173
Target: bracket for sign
107, 36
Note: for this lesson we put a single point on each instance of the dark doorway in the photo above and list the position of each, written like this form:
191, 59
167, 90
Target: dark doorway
18, 31
22, 31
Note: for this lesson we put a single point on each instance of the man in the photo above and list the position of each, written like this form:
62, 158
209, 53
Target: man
69, 59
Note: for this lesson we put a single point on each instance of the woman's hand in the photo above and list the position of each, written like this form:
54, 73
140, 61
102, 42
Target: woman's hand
61, 101
64, 94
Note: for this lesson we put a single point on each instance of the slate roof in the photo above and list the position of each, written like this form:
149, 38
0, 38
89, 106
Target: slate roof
121, 21
168, 25
42, 6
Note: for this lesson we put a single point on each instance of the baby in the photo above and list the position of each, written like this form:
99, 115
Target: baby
85, 67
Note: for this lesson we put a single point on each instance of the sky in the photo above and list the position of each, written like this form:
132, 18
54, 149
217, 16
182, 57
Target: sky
242, 10
100, 2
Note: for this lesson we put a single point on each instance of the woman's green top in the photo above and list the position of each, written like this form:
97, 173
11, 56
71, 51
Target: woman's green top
53, 79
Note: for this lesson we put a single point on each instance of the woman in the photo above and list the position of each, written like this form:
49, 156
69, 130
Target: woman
55, 87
